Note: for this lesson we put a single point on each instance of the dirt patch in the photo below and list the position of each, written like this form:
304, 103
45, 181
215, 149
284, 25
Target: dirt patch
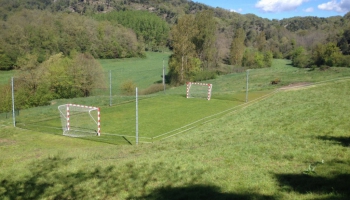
296, 86
6, 142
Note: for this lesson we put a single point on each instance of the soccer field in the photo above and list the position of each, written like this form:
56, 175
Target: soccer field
167, 113
159, 117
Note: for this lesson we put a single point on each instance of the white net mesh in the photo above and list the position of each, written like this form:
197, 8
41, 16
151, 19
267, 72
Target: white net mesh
199, 90
79, 120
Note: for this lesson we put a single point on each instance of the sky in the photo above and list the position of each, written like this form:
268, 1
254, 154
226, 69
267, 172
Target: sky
279, 9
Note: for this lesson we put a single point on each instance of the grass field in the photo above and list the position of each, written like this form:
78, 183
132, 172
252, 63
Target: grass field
270, 148
171, 113
260, 152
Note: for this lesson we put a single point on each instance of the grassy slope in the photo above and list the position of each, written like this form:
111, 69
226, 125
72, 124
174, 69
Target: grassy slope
142, 71
253, 153
5, 77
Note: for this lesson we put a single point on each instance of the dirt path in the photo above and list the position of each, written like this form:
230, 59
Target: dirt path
295, 86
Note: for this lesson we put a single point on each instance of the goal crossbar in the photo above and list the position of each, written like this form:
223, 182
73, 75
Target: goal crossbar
66, 115
207, 88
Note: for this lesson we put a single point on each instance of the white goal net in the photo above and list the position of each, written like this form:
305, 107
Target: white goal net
199, 90
80, 120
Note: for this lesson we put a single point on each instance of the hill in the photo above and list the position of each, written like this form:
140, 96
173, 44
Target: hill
268, 150
279, 37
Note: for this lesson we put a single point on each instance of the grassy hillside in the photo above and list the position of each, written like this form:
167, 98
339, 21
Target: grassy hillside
267, 150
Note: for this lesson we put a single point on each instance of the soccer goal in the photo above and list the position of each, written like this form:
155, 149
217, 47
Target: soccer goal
199, 90
80, 120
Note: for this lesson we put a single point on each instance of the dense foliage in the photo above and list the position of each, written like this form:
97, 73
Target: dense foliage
204, 40
58, 77
44, 33
149, 27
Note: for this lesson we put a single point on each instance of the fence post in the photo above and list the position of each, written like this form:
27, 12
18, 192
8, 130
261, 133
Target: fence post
246, 94
163, 75
110, 87
13, 103
137, 120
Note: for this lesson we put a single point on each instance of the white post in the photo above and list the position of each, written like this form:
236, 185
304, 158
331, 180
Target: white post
137, 120
246, 95
98, 121
13, 103
110, 87
163, 75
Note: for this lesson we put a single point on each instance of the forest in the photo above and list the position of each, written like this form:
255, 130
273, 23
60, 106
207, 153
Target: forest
51, 36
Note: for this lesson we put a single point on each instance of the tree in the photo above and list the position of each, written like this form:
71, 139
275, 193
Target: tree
205, 38
86, 73
326, 54
5, 61
58, 77
182, 35
237, 48
146, 25
300, 58
261, 41
253, 58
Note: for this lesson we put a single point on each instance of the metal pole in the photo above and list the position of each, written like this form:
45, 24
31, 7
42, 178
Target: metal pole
137, 119
110, 87
163, 75
246, 94
13, 103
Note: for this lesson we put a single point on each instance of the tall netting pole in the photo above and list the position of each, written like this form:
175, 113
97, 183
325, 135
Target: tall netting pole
137, 120
110, 87
13, 103
163, 75
246, 94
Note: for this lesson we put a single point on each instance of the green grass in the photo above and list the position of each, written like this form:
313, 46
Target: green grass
120, 120
141, 71
259, 152
171, 113
5, 77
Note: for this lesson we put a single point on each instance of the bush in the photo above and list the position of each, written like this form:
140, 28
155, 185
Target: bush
275, 81
152, 89
128, 87
344, 61
204, 75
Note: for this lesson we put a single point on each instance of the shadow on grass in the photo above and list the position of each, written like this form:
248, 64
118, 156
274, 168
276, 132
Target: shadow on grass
58, 178
336, 186
47, 180
345, 141
198, 192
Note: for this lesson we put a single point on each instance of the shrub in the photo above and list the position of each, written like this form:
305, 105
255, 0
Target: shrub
204, 75
152, 89
128, 87
275, 81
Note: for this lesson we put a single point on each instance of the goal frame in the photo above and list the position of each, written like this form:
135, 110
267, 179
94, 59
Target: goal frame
91, 108
189, 84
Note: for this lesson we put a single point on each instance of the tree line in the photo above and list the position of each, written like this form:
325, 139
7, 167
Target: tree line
149, 28
43, 33
205, 41
58, 77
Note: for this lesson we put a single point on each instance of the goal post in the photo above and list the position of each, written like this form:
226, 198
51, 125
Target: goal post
80, 120
198, 90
